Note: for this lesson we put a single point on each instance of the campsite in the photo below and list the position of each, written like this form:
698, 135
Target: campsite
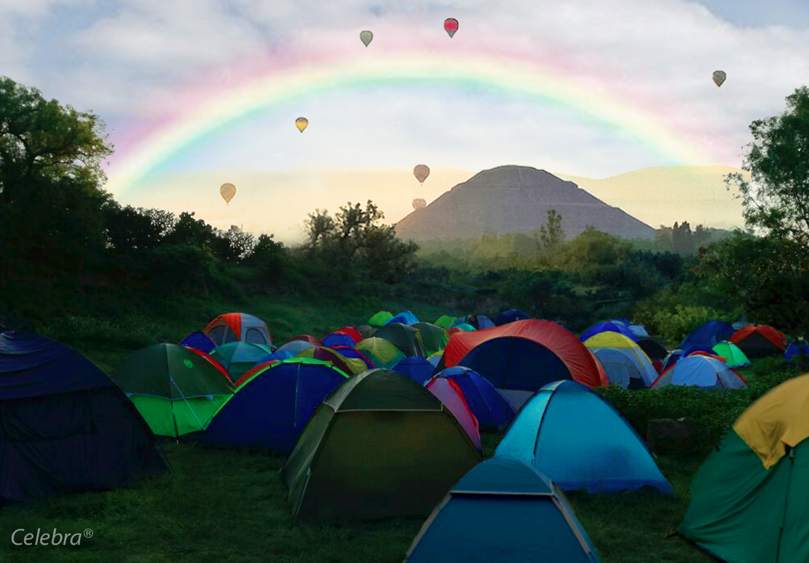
414, 282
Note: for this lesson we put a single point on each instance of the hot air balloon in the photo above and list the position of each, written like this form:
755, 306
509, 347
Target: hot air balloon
301, 123
451, 26
227, 191
366, 37
719, 77
419, 203
235, 228
421, 172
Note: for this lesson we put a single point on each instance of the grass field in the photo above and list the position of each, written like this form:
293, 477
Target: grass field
231, 506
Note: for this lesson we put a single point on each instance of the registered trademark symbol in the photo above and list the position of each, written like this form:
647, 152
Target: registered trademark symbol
88, 533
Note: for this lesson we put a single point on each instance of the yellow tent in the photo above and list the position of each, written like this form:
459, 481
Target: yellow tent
617, 340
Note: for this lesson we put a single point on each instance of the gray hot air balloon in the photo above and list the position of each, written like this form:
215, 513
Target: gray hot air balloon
227, 191
421, 172
366, 37
719, 77
419, 203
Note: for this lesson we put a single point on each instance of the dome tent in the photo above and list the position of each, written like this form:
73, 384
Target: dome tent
701, 371
336, 471
579, 440
491, 409
503, 511
65, 425
238, 327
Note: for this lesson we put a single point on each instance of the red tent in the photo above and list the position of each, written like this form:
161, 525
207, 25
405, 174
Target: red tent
352, 332
307, 338
757, 341
583, 367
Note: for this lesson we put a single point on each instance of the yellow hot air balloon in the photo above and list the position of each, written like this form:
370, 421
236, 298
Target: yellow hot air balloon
366, 37
301, 123
719, 77
421, 172
227, 191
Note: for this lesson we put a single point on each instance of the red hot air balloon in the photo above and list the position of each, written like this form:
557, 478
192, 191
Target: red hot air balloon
451, 26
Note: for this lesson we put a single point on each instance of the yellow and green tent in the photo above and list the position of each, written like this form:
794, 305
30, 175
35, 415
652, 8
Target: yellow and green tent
382, 353
749, 497
380, 318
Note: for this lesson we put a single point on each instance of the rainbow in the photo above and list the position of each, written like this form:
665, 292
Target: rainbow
470, 72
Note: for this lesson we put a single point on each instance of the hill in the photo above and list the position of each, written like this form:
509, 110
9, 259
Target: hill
515, 199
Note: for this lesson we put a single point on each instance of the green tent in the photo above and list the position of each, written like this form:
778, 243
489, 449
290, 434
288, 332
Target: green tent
175, 390
445, 321
465, 327
434, 338
749, 501
380, 318
733, 354
405, 338
382, 353
380, 445
239, 357
367, 331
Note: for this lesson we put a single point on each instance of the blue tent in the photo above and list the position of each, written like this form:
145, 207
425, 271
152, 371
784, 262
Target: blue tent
608, 327
625, 322
639, 331
579, 440
405, 318
277, 356
709, 334
795, 349
271, 409
350, 352
491, 409
480, 322
702, 371
624, 369
199, 341
503, 511
64, 425
418, 369
509, 316
676, 355
337, 339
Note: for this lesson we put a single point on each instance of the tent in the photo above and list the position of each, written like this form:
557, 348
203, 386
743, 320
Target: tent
296, 346
639, 331
653, 347
338, 338
405, 318
503, 511
509, 316
615, 340
480, 322
733, 355
433, 338
520, 357
676, 355
748, 498
796, 348
418, 369
758, 341
355, 334
405, 338
709, 334
380, 318
608, 327
351, 353
64, 425
366, 331
273, 404
453, 398
488, 405
233, 327
435, 358
702, 371
458, 326
382, 353
238, 357
444, 321
311, 339
199, 341
380, 445
277, 356
351, 366
175, 390
579, 440
623, 368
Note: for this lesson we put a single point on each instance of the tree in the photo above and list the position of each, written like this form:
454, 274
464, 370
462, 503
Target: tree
551, 234
51, 194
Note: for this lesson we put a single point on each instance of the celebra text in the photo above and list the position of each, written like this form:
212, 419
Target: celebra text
21, 537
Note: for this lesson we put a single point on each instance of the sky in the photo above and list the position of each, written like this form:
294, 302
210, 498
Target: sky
584, 88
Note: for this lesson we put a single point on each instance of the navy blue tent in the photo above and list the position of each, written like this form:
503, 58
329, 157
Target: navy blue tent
199, 341
418, 369
503, 511
349, 352
271, 408
405, 318
579, 440
509, 316
64, 425
488, 405
334, 339
620, 328
709, 334
795, 349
